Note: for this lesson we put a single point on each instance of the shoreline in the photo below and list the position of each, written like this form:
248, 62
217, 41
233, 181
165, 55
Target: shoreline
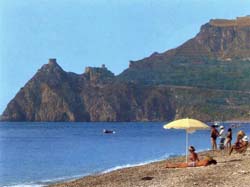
112, 169
231, 170
51, 182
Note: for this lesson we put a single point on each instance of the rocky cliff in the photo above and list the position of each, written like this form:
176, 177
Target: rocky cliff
218, 39
207, 78
55, 95
217, 57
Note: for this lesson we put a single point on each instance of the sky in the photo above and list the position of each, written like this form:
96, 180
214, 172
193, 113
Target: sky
81, 33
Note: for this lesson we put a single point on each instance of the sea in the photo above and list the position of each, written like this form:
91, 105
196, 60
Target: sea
38, 154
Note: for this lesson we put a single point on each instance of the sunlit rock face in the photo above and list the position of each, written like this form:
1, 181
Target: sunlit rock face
207, 78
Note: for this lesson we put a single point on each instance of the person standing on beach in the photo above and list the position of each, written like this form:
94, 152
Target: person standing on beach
214, 134
229, 139
222, 136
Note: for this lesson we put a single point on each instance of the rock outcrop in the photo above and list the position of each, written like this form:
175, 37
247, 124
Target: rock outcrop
219, 39
55, 95
218, 57
207, 78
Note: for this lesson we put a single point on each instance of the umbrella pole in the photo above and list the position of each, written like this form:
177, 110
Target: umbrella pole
186, 146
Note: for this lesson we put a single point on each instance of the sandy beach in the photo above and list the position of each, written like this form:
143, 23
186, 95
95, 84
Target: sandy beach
233, 170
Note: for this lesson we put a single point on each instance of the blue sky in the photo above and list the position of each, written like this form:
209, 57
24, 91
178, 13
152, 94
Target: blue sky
82, 33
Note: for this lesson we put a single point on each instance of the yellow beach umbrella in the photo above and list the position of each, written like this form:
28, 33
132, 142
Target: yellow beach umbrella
190, 125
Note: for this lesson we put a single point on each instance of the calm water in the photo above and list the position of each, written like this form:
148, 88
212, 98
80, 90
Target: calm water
40, 153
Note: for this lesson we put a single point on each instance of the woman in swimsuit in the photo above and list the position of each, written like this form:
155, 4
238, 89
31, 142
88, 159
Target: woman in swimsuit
193, 157
229, 138
195, 162
214, 134
205, 162
240, 145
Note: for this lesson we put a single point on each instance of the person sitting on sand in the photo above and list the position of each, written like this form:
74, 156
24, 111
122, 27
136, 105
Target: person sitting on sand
193, 155
194, 161
205, 162
240, 135
240, 145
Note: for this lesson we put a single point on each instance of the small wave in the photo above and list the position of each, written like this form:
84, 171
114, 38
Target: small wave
139, 164
120, 167
165, 156
46, 182
170, 155
61, 179
24, 185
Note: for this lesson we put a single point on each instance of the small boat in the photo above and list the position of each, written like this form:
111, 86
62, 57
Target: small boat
106, 131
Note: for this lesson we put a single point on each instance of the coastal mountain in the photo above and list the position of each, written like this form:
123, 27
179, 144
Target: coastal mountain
207, 78
218, 57
55, 95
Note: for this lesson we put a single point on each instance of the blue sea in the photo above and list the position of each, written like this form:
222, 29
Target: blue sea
36, 154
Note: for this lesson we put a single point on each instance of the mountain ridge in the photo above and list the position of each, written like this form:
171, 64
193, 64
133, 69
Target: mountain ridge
206, 78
